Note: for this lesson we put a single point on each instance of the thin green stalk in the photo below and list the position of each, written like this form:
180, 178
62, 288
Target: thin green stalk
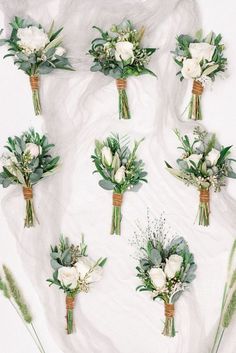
124, 112
39, 341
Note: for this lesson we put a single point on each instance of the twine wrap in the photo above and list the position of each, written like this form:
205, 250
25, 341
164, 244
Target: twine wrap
34, 82
117, 199
70, 303
197, 88
121, 83
169, 310
28, 193
204, 195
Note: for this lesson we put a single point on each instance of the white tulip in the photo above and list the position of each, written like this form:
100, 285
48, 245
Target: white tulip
33, 149
124, 51
191, 68
213, 156
106, 156
158, 278
60, 51
173, 265
194, 157
84, 265
32, 38
68, 276
201, 51
116, 162
120, 175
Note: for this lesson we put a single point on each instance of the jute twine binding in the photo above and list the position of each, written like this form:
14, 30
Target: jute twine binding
121, 83
28, 193
204, 196
117, 199
169, 310
34, 82
70, 303
197, 88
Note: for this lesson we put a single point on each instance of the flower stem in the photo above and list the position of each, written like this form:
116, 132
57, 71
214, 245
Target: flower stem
30, 214
124, 112
116, 220
195, 112
39, 341
36, 101
169, 327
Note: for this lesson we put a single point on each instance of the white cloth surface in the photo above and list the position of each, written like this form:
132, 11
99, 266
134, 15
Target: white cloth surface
79, 107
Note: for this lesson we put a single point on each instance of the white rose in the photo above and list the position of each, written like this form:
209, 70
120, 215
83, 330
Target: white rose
158, 278
120, 175
194, 157
106, 156
32, 38
84, 265
202, 51
33, 149
213, 156
124, 51
191, 68
60, 51
173, 265
68, 276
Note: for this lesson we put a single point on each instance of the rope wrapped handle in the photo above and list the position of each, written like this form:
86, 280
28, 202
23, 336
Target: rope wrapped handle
169, 310
197, 88
121, 83
70, 303
117, 199
204, 195
34, 82
28, 193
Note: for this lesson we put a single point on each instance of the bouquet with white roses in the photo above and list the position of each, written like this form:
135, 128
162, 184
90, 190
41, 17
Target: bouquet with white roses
204, 163
27, 162
119, 54
120, 169
36, 52
74, 272
166, 267
201, 60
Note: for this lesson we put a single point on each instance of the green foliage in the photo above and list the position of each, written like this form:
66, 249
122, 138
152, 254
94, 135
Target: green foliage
37, 62
23, 168
103, 52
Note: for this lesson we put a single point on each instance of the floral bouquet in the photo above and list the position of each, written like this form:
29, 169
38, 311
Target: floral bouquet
74, 272
119, 54
204, 163
36, 52
166, 267
201, 60
27, 162
120, 170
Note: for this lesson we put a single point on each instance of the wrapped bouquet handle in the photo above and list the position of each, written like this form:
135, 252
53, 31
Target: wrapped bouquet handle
34, 83
124, 112
30, 213
116, 214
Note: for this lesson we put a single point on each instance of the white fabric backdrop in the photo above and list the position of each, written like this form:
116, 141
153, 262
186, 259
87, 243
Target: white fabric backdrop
79, 107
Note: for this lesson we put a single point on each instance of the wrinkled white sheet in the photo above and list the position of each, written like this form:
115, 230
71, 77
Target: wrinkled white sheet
79, 107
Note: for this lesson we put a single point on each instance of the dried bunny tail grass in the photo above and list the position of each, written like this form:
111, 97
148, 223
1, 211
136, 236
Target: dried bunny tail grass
4, 289
230, 310
233, 279
17, 295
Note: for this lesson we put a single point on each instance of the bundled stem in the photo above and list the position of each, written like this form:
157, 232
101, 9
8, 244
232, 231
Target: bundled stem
70, 302
204, 207
195, 112
169, 326
116, 213
30, 213
34, 82
124, 112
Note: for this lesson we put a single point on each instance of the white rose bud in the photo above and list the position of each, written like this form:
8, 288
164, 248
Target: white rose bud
194, 157
201, 51
213, 156
116, 162
33, 149
173, 265
32, 38
120, 175
191, 68
68, 276
124, 51
60, 51
106, 156
158, 278
84, 265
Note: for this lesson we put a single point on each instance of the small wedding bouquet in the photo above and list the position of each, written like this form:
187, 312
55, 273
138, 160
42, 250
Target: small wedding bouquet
204, 163
228, 306
120, 169
201, 60
166, 267
74, 272
119, 54
36, 52
27, 162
